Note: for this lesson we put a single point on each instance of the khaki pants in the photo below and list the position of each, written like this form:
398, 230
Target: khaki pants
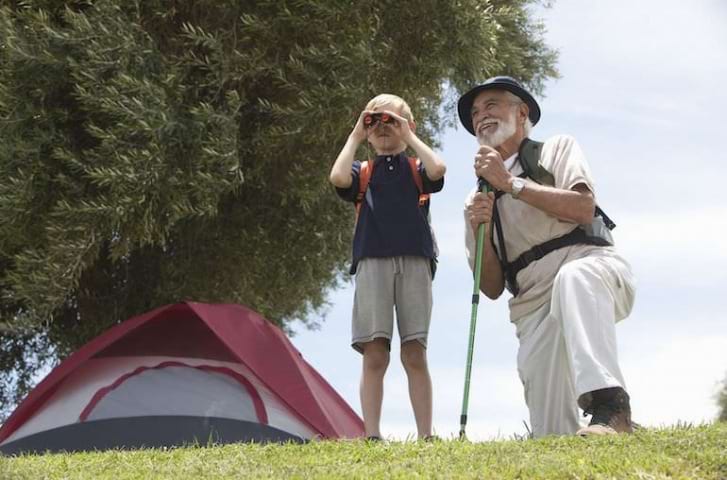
568, 346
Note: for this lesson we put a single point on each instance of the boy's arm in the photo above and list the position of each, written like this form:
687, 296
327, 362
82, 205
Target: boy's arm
433, 163
341, 172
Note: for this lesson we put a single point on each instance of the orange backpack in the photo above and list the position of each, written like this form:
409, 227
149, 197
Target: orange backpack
367, 169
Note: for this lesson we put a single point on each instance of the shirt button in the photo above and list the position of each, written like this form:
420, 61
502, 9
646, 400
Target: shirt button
388, 159
391, 167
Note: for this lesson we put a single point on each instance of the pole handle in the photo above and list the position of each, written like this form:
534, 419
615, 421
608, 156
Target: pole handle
482, 185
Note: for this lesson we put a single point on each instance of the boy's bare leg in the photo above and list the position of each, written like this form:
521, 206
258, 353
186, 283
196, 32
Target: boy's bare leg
414, 359
375, 361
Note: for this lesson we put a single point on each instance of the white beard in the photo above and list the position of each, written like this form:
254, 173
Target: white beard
504, 130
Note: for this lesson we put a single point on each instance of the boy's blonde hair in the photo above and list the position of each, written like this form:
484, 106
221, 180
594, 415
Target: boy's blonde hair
387, 98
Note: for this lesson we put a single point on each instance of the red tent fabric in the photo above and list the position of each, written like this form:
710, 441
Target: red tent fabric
179, 343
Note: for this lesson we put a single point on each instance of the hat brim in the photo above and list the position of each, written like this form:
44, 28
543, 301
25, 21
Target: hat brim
464, 105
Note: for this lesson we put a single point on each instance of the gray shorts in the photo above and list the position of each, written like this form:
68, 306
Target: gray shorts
382, 284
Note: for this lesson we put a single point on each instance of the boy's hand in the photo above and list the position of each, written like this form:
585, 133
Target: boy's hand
480, 210
359, 133
404, 126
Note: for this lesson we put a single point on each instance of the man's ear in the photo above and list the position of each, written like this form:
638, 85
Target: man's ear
523, 113
412, 125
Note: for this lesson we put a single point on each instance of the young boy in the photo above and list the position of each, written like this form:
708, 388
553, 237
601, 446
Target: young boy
393, 253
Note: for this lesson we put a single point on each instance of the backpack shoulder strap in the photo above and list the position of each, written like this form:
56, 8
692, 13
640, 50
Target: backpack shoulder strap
364, 177
414, 166
529, 158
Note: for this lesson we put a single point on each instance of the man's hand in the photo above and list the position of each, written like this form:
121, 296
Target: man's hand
480, 210
490, 166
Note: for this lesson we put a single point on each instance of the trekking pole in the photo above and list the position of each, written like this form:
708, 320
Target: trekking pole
482, 186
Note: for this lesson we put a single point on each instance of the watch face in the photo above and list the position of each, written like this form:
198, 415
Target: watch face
517, 186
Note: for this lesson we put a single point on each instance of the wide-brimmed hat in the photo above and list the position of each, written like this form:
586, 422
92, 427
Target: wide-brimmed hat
464, 106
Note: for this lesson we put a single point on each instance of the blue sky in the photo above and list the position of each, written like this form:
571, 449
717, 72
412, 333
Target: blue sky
642, 92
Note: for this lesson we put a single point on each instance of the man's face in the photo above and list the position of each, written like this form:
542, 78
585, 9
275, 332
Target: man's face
386, 137
494, 117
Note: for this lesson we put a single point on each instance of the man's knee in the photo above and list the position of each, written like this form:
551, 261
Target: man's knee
569, 271
577, 271
414, 356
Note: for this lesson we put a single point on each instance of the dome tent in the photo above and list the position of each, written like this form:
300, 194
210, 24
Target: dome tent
181, 374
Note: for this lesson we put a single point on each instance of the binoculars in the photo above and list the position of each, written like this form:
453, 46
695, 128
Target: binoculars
371, 119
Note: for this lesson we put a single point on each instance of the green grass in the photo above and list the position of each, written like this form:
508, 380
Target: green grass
678, 452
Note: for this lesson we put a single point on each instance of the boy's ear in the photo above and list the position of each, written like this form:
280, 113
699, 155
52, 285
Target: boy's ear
412, 125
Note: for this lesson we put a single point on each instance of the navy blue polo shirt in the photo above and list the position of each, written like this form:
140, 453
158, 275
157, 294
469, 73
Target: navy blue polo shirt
391, 223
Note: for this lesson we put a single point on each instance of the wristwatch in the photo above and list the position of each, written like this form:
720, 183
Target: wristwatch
517, 184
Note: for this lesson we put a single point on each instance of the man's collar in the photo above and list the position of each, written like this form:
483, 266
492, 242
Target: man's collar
510, 161
511, 145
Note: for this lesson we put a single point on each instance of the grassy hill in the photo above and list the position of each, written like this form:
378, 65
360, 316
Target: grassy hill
679, 452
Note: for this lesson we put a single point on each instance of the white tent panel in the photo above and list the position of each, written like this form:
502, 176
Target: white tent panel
68, 402
177, 391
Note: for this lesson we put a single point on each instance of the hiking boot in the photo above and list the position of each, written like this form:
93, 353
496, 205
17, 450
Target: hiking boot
610, 413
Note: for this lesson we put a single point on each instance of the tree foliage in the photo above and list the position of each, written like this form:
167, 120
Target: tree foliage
721, 398
161, 150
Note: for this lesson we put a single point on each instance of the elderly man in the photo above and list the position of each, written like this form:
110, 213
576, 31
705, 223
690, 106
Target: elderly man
549, 244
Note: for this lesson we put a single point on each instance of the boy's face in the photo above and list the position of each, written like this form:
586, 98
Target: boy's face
386, 138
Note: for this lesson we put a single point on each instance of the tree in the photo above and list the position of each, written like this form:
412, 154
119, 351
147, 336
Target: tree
721, 398
162, 150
